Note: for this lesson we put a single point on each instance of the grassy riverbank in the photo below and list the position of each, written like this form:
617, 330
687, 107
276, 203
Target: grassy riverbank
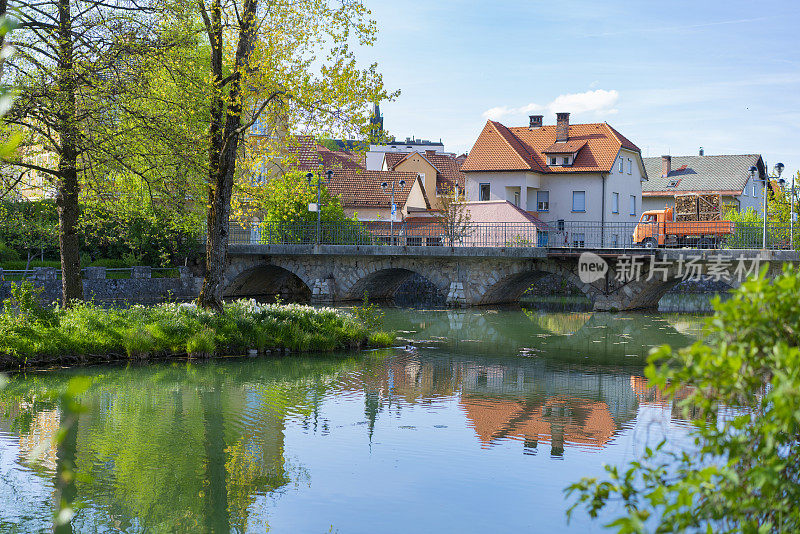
89, 334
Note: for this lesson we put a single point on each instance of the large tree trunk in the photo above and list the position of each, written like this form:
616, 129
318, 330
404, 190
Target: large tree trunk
222, 153
68, 187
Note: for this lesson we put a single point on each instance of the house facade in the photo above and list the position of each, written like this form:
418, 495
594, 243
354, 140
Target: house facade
562, 172
439, 171
725, 175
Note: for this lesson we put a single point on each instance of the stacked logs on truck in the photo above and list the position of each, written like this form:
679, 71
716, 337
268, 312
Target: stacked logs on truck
694, 207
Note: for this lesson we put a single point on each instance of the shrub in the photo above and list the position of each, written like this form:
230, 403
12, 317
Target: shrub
745, 380
368, 315
7, 253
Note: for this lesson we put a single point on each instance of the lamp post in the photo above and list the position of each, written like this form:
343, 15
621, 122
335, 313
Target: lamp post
392, 207
779, 170
320, 183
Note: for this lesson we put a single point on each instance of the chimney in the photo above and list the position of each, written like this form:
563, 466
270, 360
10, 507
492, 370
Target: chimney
536, 121
562, 127
702, 152
430, 153
666, 165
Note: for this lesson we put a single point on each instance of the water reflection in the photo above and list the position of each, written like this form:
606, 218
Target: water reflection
300, 444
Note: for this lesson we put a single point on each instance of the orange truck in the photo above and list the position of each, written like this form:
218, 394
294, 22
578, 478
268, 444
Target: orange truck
656, 228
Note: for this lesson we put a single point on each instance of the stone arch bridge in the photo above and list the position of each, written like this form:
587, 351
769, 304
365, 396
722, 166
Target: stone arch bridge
633, 279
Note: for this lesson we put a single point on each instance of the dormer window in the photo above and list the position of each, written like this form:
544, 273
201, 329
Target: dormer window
565, 160
553, 160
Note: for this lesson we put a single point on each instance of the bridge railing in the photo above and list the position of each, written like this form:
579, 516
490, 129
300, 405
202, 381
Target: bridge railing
556, 234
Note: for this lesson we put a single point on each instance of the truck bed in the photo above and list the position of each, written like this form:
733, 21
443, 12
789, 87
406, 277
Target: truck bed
698, 228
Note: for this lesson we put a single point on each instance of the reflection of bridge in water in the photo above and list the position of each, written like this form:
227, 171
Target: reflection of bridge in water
603, 337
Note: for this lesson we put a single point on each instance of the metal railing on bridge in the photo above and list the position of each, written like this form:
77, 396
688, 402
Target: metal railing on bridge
552, 235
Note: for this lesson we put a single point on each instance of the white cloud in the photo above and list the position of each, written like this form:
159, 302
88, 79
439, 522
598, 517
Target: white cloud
499, 112
599, 102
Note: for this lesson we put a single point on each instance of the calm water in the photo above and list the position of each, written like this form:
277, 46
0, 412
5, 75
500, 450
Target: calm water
477, 426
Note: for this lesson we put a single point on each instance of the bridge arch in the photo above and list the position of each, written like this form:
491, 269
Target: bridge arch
381, 280
266, 281
508, 286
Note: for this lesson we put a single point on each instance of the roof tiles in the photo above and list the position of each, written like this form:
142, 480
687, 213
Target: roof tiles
523, 149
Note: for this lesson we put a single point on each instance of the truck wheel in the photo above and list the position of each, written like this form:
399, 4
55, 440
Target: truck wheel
649, 242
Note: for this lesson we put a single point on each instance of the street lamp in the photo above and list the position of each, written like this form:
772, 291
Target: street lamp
320, 183
753, 171
392, 207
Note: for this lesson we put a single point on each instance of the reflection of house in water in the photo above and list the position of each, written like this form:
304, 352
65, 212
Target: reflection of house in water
536, 403
652, 396
36, 442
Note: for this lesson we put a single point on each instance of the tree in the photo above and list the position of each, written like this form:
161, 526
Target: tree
29, 226
68, 67
454, 216
745, 380
305, 75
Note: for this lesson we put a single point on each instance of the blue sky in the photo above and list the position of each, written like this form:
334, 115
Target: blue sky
672, 76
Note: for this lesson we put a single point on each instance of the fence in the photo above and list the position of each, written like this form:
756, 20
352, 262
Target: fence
558, 234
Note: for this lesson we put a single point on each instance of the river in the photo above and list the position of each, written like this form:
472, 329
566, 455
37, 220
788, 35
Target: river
477, 424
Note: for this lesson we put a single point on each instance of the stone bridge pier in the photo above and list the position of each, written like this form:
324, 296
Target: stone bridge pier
466, 277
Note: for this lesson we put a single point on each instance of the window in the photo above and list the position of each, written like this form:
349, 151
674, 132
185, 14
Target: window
614, 202
578, 240
630, 166
516, 198
579, 201
673, 183
433, 241
620, 165
565, 160
484, 192
633, 205
755, 191
543, 201
414, 241
744, 190
615, 240
553, 160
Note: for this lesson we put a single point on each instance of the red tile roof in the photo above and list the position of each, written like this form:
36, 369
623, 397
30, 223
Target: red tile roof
523, 149
356, 186
362, 188
313, 157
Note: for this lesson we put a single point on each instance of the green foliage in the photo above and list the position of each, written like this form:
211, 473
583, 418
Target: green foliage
29, 227
8, 254
368, 314
89, 332
282, 206
749, 226
744, 391
24, 306
138, 235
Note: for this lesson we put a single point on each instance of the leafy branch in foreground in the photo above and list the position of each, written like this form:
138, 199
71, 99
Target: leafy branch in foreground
745, 379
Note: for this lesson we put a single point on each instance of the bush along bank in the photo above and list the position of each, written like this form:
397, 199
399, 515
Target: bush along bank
35, 336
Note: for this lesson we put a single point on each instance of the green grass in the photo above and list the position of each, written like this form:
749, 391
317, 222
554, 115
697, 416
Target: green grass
88, 333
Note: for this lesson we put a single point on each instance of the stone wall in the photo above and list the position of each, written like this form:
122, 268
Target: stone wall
141, 288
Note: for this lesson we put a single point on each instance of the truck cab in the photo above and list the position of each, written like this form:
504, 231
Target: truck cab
647, 231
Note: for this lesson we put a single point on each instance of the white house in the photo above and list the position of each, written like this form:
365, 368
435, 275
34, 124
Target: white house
587, 173
725, 175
